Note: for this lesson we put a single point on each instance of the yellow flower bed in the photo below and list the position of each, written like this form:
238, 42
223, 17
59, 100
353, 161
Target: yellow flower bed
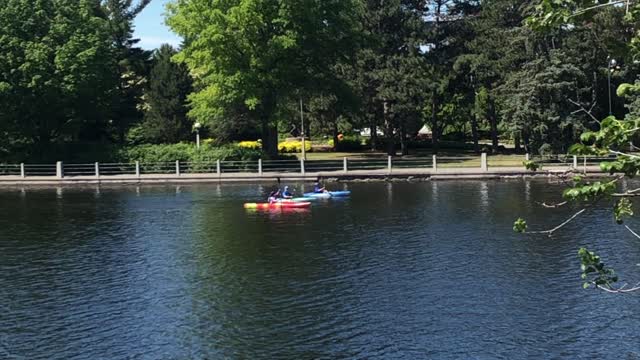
293, 146
250, 145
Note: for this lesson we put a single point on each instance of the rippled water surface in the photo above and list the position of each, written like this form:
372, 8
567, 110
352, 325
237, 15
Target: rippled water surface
398, 271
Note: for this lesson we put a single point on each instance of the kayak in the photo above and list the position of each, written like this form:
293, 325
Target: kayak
340, 193
277, 205
329, 194
325, 195
302, 199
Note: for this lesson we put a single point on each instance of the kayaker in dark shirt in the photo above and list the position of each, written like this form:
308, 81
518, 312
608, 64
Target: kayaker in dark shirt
286, 194
273, 196
317, 188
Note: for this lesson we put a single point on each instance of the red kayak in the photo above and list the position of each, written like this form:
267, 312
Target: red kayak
278, 205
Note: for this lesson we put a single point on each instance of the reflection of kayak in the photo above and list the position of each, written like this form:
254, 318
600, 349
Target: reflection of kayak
277, 205
329, 194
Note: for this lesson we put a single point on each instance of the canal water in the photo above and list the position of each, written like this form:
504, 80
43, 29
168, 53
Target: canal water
426, 270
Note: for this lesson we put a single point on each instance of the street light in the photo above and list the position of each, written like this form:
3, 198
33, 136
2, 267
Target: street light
197, 127
611, 65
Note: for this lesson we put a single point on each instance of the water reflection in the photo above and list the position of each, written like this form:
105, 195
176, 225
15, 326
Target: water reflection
484, 195
425, 270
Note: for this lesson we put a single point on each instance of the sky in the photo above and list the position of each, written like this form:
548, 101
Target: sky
150, 27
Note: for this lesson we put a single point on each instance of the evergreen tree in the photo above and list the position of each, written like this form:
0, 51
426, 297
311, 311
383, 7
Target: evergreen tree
131, 64
169, 84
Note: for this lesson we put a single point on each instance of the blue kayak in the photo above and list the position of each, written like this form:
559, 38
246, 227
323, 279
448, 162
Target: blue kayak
303, 199
326, 195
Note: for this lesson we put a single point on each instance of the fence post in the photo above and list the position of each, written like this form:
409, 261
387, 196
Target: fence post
22, 174
483, 162
302, 166
96, 166
389, 163
575, 162
218, 170
527, 157
137, 168
435, 163
178, 167
345, 168
585, 164
59, 170
260, 167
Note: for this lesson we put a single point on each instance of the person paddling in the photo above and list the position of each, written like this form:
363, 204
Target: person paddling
273, 196
318, 189
286, 194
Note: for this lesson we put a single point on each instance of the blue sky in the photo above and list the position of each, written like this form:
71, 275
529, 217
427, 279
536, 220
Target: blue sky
150, 27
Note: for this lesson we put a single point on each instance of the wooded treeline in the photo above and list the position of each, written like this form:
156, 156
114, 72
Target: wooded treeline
72, 75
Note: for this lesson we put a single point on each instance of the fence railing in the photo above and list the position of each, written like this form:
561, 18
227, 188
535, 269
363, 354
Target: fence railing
344, 165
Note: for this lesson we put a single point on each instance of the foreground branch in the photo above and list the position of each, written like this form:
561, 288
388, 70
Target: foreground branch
550, 232
620, 290
553, 206
633, 232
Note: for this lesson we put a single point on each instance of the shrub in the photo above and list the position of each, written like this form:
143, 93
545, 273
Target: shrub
348, 143
293, 146
187, 152
255, 145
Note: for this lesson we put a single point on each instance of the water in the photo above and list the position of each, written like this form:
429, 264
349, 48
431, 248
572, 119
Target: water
399, 271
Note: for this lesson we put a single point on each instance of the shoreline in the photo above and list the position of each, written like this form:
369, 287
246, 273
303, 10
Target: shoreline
415, 174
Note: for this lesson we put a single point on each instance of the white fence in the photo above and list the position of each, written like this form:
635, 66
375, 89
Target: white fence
344, 165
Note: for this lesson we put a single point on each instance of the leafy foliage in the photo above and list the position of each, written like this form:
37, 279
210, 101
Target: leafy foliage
520, 225
594, 271
165, 119
186, 152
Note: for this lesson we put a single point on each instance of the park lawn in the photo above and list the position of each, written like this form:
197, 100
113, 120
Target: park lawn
448, 158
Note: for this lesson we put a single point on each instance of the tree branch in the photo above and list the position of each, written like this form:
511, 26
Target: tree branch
633, 232
611, 3
620, 290
550, 232
552, 206
623, 154
582, 109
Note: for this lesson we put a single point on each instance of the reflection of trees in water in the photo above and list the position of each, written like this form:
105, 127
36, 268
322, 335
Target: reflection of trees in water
253, 286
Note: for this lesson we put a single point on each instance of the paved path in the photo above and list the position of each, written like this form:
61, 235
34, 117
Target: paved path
415, 173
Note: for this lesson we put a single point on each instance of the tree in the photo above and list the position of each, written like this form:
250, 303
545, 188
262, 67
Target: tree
131, 64
257, 53
54, 72
169, 84
611, 138
389, 69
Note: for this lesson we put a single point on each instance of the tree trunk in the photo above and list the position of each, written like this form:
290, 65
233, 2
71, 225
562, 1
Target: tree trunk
269, 130
269, 136
403, 140
474, 133
434, 126
525, 138
391, 143
335, 136
494, 125
374, 134
517, 146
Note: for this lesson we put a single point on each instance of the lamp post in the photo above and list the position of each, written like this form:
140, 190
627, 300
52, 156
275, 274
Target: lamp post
197, 127
611, 64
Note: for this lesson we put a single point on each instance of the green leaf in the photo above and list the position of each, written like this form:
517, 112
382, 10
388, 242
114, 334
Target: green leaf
520, 225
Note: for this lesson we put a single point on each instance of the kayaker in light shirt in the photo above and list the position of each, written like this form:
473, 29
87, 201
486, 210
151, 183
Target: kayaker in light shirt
286, 194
